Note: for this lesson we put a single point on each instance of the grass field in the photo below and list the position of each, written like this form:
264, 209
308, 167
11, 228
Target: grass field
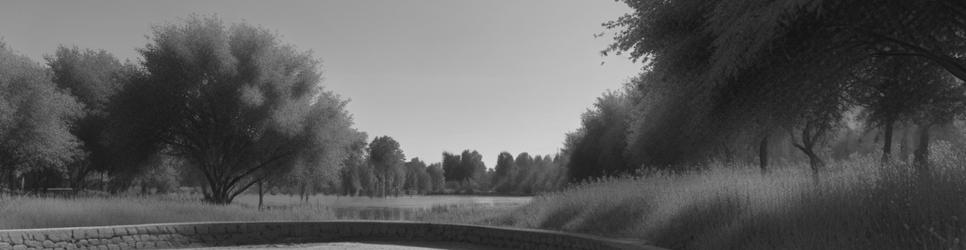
36, 212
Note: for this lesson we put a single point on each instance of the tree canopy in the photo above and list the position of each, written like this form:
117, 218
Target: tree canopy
35, 118
234, 100
723, 76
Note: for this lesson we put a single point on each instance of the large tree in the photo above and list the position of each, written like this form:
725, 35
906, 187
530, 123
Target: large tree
723, 74
451, 167
234, 100
334, 141
600, 149
417, 177
437, 177
387, 160
505, 172
93, 77
34, 119
473, 170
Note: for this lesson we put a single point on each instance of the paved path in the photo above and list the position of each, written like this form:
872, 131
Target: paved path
360, 246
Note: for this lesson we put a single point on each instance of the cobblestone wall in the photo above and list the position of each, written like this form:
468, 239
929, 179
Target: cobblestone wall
178, 235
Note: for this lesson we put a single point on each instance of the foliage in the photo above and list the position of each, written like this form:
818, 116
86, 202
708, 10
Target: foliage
235, 101
437, 176
93, 77
451, 167
334, 141
722, 76
474, 171
503, 172
387, 159
417, 180
35, 119
600, 148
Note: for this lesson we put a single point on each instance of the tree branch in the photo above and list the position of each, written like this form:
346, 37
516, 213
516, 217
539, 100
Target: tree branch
945, 61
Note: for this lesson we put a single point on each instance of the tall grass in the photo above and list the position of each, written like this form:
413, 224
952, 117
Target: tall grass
34, 212
37, 212
857, 205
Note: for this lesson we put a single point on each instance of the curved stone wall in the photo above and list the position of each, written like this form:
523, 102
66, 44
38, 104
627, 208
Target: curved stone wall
178, 235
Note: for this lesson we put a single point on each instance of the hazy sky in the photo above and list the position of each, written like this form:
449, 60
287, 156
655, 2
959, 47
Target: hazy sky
435, 75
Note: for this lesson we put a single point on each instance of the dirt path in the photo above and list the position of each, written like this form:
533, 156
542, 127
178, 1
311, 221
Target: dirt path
360, 246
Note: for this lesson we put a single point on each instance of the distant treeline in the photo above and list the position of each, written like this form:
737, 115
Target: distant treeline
219, 109
457, 174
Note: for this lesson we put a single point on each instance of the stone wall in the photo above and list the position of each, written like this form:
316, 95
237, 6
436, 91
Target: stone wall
179, 235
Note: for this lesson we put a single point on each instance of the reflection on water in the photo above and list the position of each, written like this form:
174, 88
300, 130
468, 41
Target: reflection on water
376, 213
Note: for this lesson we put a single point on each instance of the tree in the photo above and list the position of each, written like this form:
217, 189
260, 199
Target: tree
824, 114
721, 75
35, 119
709, 89
161, 175
471, 171
451, 167
524, 163
744, 32
417, 178
235, 101
600, 151
437, 178
356, 173
331, 125
387, 160
945, 102
93, 77
505, 172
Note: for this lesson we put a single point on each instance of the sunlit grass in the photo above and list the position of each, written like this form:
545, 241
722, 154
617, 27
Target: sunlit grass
34, 212
857, 205
38, 212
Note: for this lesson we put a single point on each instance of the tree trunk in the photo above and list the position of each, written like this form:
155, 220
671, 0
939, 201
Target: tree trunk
11, 178
763, 154
218, 194
302, 192
904, 146
887, 143
815, 163
921, 160
77, 180
261, 195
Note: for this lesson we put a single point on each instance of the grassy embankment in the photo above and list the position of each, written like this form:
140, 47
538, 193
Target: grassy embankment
858, 205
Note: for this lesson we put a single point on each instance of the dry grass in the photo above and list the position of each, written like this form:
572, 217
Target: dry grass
857, 205
36, 212
32, 212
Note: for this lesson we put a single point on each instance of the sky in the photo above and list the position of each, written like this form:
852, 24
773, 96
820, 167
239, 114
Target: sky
435, 75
